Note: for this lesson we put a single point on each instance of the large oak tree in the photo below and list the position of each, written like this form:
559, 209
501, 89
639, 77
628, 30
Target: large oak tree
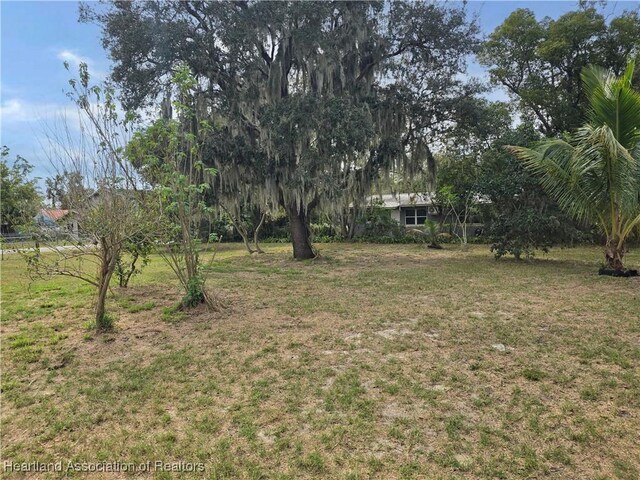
310, 101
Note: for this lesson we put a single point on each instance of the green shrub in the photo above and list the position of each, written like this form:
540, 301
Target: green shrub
195, 292
106, 323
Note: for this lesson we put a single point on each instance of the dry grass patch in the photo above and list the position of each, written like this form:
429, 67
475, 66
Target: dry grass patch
369, 362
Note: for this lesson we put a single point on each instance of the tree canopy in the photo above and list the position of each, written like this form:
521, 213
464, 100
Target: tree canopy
20, 197
310, 101
539, 62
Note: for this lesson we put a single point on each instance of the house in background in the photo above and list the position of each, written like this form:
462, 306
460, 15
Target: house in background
409, 209
412, 209
59, 222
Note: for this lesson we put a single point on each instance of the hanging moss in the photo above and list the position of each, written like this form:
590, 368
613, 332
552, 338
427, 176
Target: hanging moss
312, 103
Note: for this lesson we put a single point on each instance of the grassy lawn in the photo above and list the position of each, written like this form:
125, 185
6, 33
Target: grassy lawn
373, 361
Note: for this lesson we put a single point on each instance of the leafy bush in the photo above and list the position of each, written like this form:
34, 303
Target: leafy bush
327, 238
523, 231
276, 229
390, 239
104, 324
322, 230
195, 292
276, 240
379, 227
520, 217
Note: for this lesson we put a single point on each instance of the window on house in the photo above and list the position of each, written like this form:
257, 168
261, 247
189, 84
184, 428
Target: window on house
415, 216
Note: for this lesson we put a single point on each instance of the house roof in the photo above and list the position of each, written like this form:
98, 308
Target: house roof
400, 200
54, 214
395, 200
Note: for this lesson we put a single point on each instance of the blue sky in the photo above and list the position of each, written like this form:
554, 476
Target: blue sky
37, 36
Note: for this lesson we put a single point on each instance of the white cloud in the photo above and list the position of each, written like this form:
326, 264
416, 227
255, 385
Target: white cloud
74, 60
12, 110
15, 110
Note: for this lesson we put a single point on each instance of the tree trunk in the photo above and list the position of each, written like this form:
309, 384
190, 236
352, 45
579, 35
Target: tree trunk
352, 227
349, 219
126, 276
103, 289
613, 254
302, 249
256, 233
100, 306
237, 223
245, 240
344, 229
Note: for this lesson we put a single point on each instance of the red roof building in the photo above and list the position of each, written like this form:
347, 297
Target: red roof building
54, 214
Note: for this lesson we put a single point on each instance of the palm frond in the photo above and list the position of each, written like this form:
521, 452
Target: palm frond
613, 102
561, 176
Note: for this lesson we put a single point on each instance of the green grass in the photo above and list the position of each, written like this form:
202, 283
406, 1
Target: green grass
373, 361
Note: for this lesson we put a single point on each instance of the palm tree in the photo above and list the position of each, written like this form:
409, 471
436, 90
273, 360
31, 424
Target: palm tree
594, 175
